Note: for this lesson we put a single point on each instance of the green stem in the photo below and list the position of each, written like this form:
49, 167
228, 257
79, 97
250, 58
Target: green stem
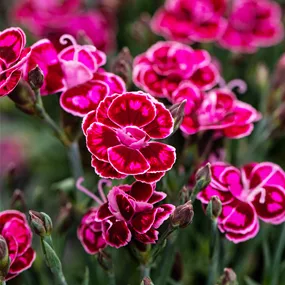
214, 254
2, 282
111, 275
42, 114
75, 160
145, 270
277, 258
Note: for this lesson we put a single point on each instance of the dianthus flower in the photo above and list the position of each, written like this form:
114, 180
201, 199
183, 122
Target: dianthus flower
15, 230
218, 109
255, 191
119, 136
190, 21
165, 65
53, 18
129, 212
252, 24
13, 55
76, 72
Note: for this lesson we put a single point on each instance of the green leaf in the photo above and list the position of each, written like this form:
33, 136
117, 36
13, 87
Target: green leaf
249, 281
86, 277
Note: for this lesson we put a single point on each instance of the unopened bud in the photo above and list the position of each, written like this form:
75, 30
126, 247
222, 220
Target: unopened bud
4, 259
279, 74
146, 281
214, 208
228, 278
177, 112
122, 65
262, 75
40, 223
203, 176
36, 78
182, 215
18, 200
24, 98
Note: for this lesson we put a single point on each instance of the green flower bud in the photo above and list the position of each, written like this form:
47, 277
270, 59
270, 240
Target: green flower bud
214, 208
182, 216
203, 176
40, 223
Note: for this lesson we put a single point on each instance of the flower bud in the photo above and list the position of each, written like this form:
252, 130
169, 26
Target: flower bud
177, 112
203, 176
4, 259
214, 208
40, 223
182, 215
279, 74
228, 278
24, 98
36, 78
122, 65
146, 281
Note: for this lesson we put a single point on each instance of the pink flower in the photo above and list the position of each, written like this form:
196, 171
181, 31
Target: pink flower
119, 134
13, 55
14, 228
129, 212
256, 190
218, 110
165, 65
75, 72
56, 17
252, 24
90, 233
190, 21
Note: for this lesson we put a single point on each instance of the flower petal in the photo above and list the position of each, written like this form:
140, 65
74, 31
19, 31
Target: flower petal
127, 161
8, 84
141, 191
105, 169
163, 214
99, 138
150, 237
149, 177
160, 157
132, 109
142, 222
162, 125
116, 233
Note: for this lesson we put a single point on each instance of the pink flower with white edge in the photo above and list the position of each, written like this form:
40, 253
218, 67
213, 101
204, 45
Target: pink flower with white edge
128, 212
13, 56
119, 136
190, 21
90, 233
252, 24
76, 72
165, 65
18, 235
255, 191
218, 110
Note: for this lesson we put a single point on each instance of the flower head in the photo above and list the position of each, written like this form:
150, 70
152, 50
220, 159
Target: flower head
13, 56
255, 191
218, 110
119, 136
165, 65
15, 230
129, 212
75, 72
252, 24
190, 21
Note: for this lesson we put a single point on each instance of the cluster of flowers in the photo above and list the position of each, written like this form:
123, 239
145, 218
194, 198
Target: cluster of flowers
54, 18
238, 25
177, 72
128, 212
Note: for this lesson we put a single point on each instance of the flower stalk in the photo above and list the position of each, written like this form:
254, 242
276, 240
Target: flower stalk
41, 224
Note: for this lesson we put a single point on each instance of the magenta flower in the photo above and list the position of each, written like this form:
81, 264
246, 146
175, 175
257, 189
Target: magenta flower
57, 17
119, 134
252, 24
13, 55
256, 190
218, 110
76, 72
165, 65
128, 212
190, 21
90, 233
15, 229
